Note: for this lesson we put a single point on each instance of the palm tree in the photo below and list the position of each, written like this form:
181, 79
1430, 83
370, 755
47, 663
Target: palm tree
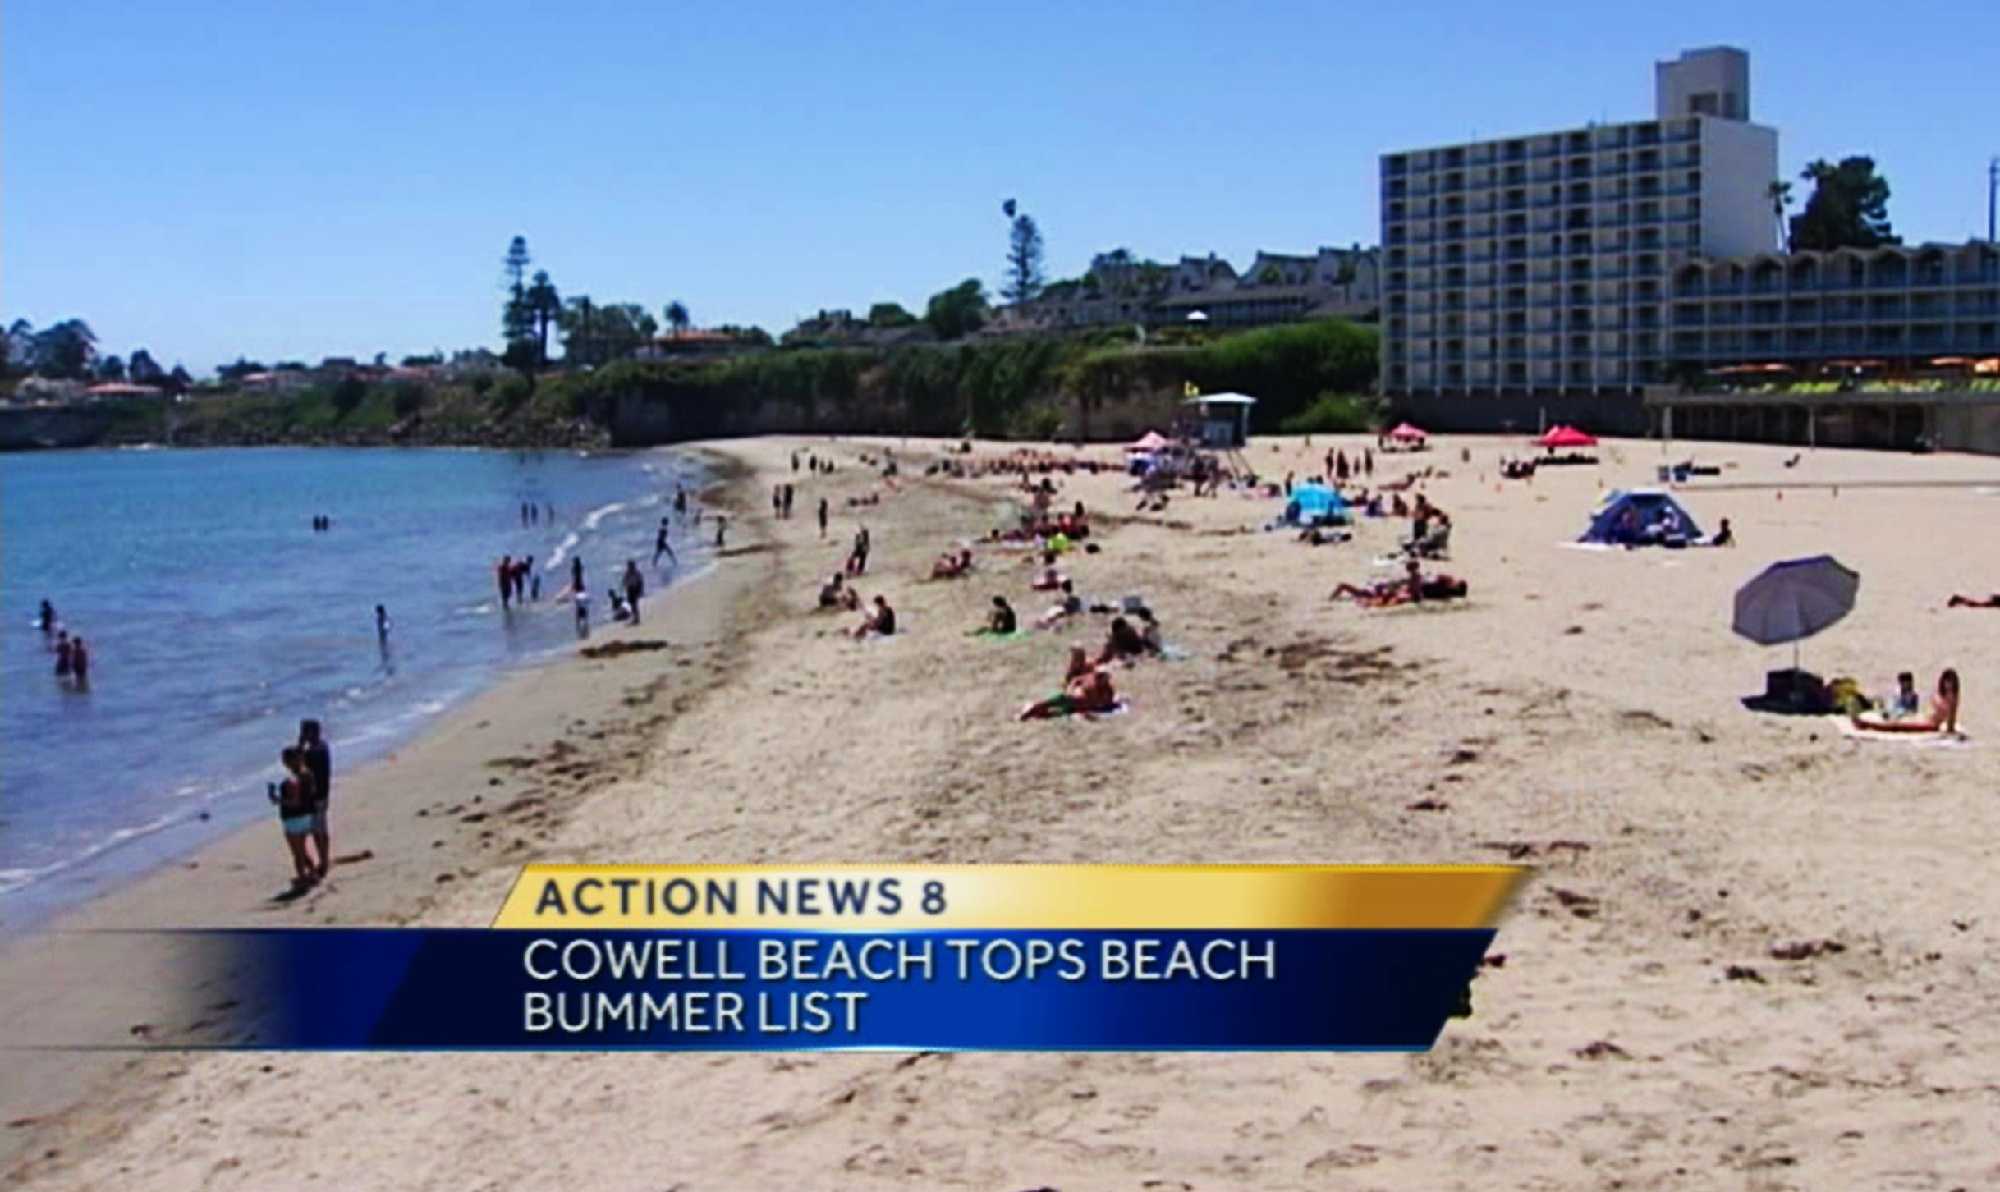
677, 316
1780, 194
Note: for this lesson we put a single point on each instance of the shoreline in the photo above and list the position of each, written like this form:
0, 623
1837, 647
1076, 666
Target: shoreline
408, 827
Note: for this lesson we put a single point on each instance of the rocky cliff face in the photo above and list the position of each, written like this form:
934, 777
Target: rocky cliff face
40, 427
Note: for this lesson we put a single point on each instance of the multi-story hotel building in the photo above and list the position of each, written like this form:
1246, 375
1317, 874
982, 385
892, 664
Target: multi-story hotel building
1543, 263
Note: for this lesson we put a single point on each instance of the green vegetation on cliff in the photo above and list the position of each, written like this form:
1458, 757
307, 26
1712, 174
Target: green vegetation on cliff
1090, 385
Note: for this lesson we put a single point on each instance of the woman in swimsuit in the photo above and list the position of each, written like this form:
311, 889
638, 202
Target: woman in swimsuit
294, 797
1943, 717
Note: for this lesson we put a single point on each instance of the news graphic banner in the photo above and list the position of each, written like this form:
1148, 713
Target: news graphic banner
1000, 957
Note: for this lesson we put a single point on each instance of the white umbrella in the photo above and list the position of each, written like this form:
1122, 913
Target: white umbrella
1792, 600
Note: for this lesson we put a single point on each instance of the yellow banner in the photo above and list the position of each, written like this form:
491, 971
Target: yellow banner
1019, 897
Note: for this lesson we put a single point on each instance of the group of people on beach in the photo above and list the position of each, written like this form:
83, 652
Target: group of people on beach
301, 798
72, 656
519, 581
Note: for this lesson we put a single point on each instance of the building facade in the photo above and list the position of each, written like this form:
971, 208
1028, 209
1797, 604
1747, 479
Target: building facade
1276, 288
1541, 263
1903, 306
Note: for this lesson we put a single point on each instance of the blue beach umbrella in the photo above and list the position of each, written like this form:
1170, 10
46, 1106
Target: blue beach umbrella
1792, 600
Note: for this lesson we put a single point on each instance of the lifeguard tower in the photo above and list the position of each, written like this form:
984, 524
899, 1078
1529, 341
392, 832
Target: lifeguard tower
1223, 419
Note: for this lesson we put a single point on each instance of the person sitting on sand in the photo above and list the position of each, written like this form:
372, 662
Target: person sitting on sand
1049, 579
1724, 536
1071, 605
1992, 601
1089, 692
880, 620
1121, 643
1942, 718
950, 566
1906, 701
1002, 620
1150, 635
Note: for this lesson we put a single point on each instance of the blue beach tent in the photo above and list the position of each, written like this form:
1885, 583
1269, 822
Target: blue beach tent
1314, 504
1630, 517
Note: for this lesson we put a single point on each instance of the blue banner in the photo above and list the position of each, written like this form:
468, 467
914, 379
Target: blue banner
1014, 990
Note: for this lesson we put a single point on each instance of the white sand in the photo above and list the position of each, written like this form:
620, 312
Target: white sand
1587, 698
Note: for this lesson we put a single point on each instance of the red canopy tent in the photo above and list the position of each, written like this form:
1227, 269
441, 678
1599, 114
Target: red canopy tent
1405, 433
1565, 436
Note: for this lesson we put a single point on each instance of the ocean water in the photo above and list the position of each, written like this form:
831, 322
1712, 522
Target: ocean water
216, 619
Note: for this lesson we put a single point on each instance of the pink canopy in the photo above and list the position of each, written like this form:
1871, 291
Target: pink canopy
1408, 433
1566, 436
1150, 441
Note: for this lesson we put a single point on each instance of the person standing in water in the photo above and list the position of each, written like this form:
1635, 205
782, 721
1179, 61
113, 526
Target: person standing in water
635, 587
721, 528
65, 653
582, 601
504, 572
46, 619
381, 625
318, 760
576, 575
680, 502
79, 662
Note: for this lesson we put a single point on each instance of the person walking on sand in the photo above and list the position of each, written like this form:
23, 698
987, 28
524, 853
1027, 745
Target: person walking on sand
721, 528
822, 517
635, 587
789, 491
318, 761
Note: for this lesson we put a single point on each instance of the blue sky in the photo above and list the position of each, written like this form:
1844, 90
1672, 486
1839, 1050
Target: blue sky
305, 179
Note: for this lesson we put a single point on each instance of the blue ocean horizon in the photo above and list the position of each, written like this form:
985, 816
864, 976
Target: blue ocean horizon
217, 618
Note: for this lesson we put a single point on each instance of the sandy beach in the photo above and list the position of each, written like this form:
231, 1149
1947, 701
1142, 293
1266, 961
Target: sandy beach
1755, 952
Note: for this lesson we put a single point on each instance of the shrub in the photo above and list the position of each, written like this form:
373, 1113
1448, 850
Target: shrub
1332, 413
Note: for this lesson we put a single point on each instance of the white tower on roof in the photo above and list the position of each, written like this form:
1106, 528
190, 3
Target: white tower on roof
1707, 82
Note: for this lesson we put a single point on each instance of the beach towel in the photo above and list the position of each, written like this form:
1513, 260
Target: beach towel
1118, 708
1936, 739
